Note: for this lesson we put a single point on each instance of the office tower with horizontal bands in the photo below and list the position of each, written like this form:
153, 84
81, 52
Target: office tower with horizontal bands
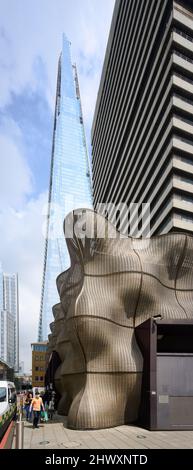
142, 133
70, 183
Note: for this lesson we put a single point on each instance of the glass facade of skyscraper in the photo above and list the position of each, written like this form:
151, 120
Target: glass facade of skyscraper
70, 182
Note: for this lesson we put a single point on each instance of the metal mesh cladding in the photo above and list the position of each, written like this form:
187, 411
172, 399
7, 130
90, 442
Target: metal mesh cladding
114, 284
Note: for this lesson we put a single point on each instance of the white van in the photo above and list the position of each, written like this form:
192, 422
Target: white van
8, 404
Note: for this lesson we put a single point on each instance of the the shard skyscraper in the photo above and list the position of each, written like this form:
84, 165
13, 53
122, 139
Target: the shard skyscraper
70, 181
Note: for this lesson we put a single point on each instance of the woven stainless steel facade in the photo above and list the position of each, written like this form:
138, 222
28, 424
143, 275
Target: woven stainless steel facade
142, 134
113, 285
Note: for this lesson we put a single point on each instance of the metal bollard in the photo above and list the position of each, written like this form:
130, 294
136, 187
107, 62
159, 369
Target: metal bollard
19, 433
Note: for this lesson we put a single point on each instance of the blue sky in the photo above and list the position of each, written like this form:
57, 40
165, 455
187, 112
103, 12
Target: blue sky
33, 115
30, 44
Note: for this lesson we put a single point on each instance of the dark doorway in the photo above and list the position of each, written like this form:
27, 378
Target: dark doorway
167, 384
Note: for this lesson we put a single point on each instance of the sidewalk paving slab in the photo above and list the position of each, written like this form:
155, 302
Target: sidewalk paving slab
55, 435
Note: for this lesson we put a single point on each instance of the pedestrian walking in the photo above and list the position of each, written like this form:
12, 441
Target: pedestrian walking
27, 403
51, 409
30, 412
36, 405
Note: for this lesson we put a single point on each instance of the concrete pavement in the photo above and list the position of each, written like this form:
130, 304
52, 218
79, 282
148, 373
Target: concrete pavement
55, 435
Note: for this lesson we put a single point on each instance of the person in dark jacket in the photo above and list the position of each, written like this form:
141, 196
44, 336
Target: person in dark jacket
27, 403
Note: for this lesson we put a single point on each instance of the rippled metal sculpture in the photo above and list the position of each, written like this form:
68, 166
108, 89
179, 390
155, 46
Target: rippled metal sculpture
114, 284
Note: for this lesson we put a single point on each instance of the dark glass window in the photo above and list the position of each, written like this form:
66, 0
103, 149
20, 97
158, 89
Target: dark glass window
2, 394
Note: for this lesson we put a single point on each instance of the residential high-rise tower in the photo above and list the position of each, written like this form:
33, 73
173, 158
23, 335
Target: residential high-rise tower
70, 184
9, 319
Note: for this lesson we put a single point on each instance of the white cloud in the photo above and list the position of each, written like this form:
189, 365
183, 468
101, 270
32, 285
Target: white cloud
21, 220
22, 251
16, 180
34, 29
